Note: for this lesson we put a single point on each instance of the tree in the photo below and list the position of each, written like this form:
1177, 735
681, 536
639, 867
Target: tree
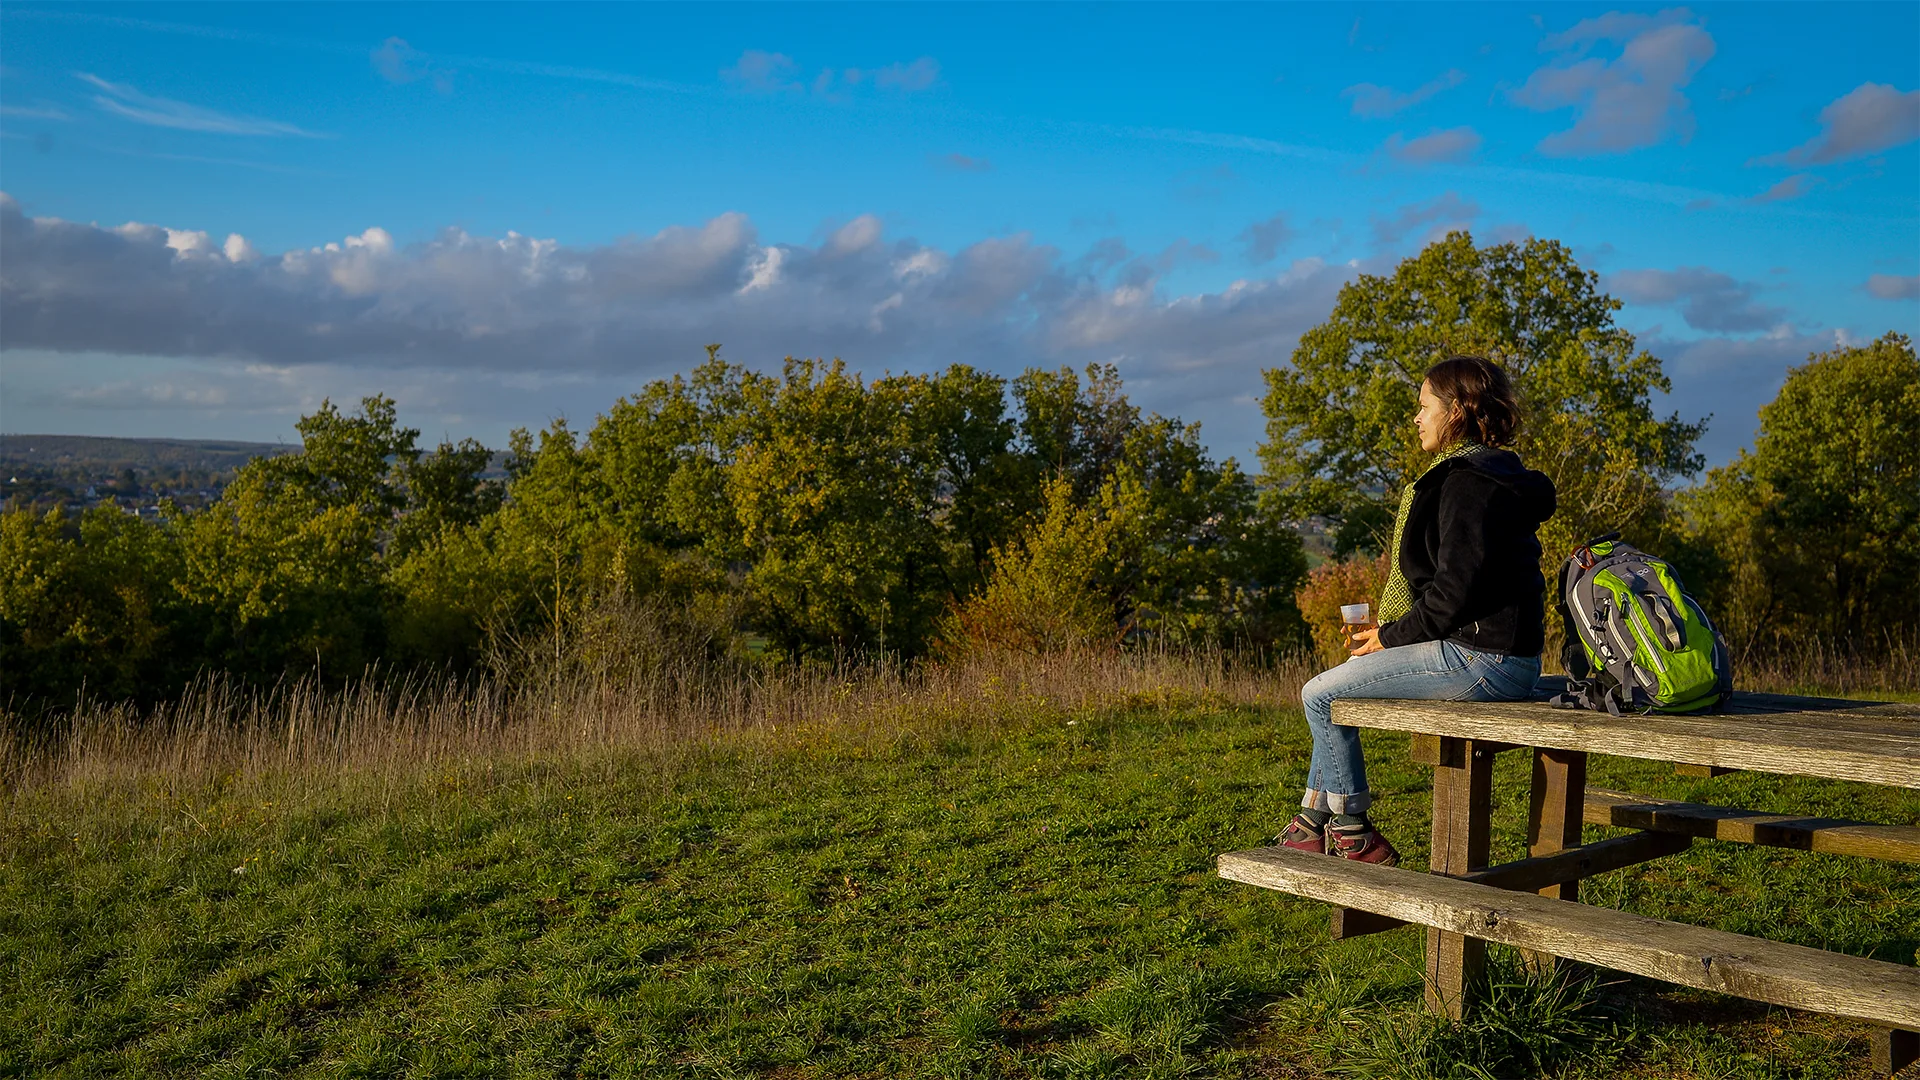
1817, 528
90, 605
444, 490
834, 492
1340, 438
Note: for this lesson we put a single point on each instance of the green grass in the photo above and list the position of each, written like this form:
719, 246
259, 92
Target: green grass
1032, 900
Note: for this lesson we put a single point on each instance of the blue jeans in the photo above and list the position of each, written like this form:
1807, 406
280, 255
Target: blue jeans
1428, 671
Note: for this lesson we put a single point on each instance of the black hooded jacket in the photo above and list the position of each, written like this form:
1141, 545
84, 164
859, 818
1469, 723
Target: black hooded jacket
1470, 556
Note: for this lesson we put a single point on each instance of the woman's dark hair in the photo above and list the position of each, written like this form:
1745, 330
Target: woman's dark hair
1487, 411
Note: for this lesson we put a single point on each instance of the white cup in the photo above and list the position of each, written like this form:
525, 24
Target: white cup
1355, 613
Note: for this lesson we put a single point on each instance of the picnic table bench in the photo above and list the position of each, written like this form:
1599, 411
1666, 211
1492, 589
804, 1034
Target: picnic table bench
1532, 903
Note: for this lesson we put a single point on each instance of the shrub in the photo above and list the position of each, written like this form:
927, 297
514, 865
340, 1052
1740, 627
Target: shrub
1043, 596
1357, 580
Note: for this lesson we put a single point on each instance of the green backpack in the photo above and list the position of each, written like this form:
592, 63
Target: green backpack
1635, 639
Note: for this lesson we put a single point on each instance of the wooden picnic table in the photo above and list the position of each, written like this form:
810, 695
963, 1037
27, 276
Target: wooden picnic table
1532, 903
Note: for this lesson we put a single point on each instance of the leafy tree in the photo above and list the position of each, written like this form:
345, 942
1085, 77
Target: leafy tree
1817, 528
1340, 439
444, 490
1076, 430
835, 491
89, 606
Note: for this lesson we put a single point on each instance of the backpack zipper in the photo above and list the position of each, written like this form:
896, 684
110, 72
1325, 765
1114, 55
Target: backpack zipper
1635, 617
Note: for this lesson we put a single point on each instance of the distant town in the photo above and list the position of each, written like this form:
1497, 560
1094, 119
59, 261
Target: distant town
79, 472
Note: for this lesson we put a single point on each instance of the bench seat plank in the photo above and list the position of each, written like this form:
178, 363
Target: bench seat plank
1882, 747
1899, 843
1770, 971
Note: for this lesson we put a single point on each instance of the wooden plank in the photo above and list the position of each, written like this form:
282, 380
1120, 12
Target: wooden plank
1538, 874
1426, 750
1800, 748
1770, 971
1541, 873
1839, 836
1462, 840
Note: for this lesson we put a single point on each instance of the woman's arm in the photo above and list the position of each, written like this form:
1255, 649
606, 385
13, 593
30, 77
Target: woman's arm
1461, 569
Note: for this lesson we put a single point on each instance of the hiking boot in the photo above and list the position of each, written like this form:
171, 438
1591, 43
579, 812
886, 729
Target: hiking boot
1362, 843
1301, 834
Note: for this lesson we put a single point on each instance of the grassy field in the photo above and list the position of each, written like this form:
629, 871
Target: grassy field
1023, 894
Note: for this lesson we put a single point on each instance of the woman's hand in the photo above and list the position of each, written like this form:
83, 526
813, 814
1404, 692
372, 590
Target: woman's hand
1364, 642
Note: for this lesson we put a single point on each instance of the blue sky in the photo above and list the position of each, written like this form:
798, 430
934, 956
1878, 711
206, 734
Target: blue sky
533, 210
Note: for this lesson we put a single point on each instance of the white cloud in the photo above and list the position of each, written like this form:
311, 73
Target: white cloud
1790, 188
1375, 102
1732, 377
856, 235
1631, 101
125, 101
1442, 215
1895, 286
1868, 119
921, 74
763, 72
963, 163
1707, 299
1453, 144
492, 309
1264, 239
397, 61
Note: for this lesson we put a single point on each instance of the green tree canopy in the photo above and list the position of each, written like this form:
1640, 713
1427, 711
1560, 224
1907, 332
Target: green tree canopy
1340, 437
1817, 528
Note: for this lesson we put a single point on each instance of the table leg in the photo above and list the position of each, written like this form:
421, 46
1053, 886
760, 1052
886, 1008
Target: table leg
1894, 1050
1462, 834
1553, 824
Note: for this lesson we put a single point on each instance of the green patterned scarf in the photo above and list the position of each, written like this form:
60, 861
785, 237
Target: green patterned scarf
1397, 599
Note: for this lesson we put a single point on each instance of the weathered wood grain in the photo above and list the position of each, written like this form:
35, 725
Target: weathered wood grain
1426, 750
1541, 873
1882, 748
1352, 923
1894, 1050
1538, 874
1770, 971
1553, 824
1839, 836
1462, 841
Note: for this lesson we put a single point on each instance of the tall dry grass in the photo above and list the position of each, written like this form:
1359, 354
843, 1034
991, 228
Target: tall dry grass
1817, 665
384, 730
223, 733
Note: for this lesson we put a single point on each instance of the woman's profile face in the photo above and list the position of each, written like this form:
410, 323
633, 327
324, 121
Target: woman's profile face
1431, 420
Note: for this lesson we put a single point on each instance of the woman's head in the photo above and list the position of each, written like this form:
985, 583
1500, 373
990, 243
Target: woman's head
1466, 397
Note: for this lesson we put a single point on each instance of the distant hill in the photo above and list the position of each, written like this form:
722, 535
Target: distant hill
92, 453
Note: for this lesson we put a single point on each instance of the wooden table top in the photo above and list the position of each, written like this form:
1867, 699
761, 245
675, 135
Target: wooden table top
1875, 742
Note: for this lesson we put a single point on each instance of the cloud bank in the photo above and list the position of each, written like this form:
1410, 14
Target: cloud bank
644, 307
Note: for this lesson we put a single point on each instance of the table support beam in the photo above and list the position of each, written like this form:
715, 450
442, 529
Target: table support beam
1553, 825
1894, 1050
1462, 840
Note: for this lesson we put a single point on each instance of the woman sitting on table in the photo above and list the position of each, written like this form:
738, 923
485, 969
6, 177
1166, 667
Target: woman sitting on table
1462, 616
